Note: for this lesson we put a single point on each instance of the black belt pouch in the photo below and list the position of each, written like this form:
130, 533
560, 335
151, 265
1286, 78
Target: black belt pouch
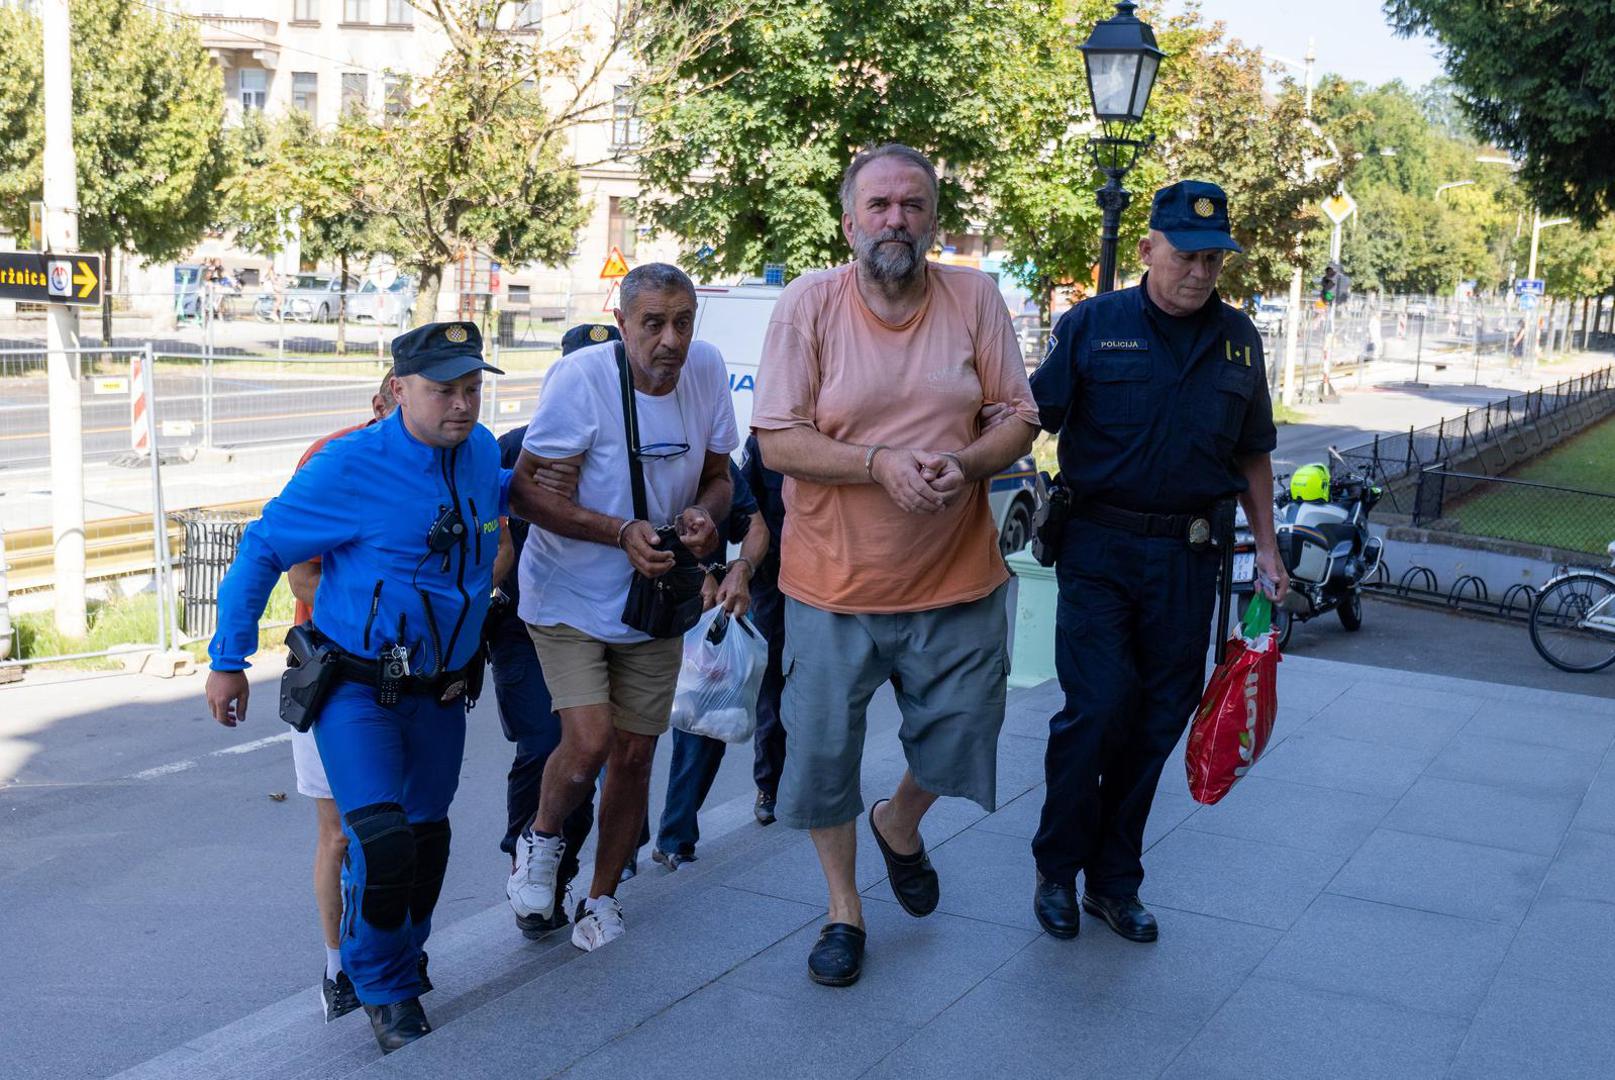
311, 672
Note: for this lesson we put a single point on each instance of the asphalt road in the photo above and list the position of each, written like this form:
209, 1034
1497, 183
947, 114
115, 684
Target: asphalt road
247, 411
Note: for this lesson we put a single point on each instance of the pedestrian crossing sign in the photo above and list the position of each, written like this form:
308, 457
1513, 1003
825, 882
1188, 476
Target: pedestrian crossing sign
616, 266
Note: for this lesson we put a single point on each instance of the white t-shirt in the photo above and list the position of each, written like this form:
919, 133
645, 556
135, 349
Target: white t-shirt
580, 583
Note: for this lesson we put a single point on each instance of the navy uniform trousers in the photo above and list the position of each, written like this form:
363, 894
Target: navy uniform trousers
1132, 628
393, 771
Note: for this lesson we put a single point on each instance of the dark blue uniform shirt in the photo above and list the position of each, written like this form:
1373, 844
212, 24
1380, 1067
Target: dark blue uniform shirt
767, 490
366, 503
1154, 412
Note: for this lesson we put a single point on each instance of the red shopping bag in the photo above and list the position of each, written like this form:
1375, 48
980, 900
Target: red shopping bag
1235, 718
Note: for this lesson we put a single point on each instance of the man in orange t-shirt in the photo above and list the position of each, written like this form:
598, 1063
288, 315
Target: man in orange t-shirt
331, 843
869, 400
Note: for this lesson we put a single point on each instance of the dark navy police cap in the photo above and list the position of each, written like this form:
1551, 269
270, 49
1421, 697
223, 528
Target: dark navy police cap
1194, 216
441, 351
586, 334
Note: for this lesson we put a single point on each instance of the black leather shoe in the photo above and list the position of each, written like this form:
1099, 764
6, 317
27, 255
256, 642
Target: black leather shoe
764, 810
837, 958
426, 984
1129, 918
398, 1024
913, 880
1056, 908
338, 996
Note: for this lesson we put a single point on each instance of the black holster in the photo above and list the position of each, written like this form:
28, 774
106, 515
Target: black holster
311, 672
1049, 519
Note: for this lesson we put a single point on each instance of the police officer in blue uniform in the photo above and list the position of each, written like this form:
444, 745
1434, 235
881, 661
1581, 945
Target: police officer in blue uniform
1159, 396
406, 516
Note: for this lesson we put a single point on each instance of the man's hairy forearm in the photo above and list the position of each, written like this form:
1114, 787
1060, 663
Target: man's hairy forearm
806, 454
997, 449
562, 516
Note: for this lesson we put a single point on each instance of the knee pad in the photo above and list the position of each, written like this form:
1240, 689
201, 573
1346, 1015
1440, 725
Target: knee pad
388, 844
431, 862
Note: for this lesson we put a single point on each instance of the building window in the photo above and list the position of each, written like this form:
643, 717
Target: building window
355, 11
254, 86
397, 97
620, 228
306, 92
399, 13
624, 121
355, 92
520, 296
305, 10
529, 13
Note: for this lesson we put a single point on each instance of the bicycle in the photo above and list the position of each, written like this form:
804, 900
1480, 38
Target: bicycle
1573, 620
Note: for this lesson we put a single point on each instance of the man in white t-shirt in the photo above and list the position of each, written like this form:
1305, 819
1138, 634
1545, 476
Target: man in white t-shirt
612, 685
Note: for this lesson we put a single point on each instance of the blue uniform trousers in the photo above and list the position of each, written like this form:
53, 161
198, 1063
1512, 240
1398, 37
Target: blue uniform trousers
393, 772
1132, 627
530, 722
696, 758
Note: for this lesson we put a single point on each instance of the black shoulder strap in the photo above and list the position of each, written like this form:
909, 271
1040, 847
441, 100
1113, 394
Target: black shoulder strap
630, 424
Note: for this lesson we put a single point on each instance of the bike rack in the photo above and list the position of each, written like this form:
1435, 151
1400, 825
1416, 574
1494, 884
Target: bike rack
1417, 573
1456, 597
1506, 607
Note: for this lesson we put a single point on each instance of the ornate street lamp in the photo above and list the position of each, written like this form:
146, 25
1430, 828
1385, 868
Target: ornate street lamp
1121, 60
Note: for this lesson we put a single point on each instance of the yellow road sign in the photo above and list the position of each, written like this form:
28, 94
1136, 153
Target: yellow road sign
616, 266
1339, 206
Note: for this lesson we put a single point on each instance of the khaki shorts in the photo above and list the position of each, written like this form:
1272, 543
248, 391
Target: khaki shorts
637, 680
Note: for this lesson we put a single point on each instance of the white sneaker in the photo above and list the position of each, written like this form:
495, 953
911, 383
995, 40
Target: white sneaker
531, 888
598, 922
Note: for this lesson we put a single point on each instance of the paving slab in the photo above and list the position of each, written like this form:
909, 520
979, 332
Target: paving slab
1428, 873
1412, 959
1529, 1027
1272, 811
1481, 814
1241, 880
1272, 1030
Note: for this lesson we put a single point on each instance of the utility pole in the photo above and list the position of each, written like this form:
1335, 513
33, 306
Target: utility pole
1292, 320
1531, 323
62, 327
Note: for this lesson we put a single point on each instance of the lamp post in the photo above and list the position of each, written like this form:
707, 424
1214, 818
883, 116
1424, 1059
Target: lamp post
1121, 59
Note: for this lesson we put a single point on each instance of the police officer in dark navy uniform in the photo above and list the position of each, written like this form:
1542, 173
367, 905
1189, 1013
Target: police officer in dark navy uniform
1159, 396
406, 516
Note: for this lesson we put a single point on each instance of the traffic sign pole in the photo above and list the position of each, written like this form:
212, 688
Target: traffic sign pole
63, 360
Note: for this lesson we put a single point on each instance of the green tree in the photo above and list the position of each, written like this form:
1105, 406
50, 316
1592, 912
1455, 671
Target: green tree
481, 161
747, 140
1536, 78
148, 104
292, 178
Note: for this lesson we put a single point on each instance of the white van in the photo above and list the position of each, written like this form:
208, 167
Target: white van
735, 317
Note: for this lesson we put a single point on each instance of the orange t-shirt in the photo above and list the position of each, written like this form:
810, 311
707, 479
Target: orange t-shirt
829, 363
301, 612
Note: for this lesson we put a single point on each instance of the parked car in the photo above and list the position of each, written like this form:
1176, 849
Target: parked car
389, 305
735, 318
1269, 316
308, 298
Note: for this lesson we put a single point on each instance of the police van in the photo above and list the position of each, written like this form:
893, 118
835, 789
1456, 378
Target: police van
735, 318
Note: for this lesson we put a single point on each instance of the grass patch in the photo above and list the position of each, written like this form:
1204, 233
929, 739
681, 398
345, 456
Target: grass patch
1556, 518
1283, 414
130, 620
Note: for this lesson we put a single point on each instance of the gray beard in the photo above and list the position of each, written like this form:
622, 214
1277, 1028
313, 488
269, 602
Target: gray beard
891, 264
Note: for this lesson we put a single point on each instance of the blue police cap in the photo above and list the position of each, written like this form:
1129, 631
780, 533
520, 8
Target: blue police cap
586, 334
1193, 215
441, 351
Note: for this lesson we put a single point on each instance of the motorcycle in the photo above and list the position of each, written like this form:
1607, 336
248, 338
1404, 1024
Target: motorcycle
1326, 548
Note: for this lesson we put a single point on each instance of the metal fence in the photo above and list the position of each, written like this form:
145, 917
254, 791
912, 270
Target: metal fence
1516, 510
1516, 426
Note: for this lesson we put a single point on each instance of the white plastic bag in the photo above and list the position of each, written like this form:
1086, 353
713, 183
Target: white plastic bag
723, 667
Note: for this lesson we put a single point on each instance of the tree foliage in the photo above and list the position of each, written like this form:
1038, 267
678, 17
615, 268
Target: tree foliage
747, 140
1538, 79
147, 107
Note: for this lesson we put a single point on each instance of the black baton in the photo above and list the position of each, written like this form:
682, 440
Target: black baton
1225, 578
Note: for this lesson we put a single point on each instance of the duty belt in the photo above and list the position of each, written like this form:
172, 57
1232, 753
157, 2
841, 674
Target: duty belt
368, 672
1194, 528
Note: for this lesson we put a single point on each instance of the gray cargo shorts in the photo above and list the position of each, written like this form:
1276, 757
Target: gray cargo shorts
948, 667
